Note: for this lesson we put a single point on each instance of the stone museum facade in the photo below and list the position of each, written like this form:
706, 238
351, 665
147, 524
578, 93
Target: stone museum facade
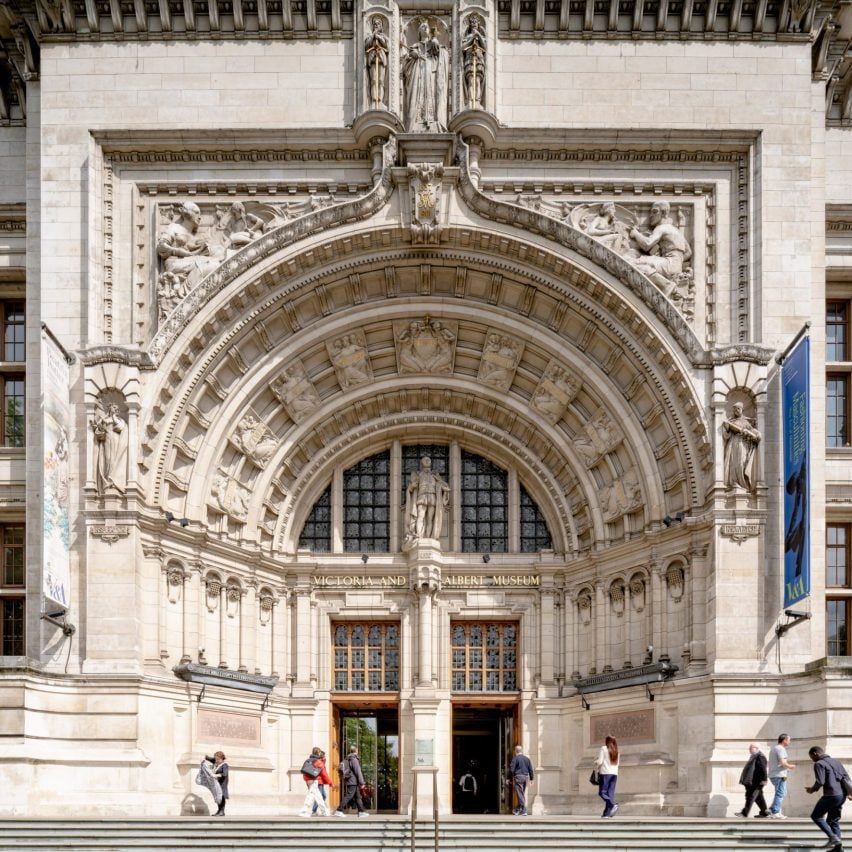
410, 374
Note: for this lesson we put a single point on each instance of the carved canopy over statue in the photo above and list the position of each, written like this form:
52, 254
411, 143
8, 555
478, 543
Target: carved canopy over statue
425, 75
427, 497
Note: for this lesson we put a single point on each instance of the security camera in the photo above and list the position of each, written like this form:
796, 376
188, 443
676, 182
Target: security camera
56, 613
796, 613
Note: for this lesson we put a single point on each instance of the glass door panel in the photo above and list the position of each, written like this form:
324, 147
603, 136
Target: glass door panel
376, 733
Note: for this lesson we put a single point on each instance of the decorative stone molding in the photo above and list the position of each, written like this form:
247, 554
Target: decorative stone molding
501, 354
739, 532
675, 581
425, 346
424, 194
351, 359
637, 592
110, 533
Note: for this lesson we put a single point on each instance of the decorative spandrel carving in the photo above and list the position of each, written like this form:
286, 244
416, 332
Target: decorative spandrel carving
237, 226
637, 592
554, 392
616, 598
740, 459
254, 439
424, 190
111, 443
621, 496
602, 436
296, 392
376, 51
500, 358
229, 497
425, 346
351, 360
474, 54
426, 499
425, 62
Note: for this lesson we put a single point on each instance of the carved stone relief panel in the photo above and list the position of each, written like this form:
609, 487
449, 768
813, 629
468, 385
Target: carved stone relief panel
555, 391
425, 74
675, 581
584, 606
424, 194
601, 436
351, 359
229, 497
296, 392
501, 355
616, 598
254, 439
425, 346
622, 495
637, 592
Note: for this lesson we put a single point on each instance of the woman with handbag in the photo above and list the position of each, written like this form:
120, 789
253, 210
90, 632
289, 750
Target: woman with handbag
314, 774
606, 766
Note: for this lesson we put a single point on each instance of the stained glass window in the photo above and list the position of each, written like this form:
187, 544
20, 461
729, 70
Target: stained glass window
366, 505
535, 535
484, 497
316, 533
484, 657
366, 657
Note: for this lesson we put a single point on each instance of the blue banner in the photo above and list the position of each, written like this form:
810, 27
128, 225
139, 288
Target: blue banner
795, 405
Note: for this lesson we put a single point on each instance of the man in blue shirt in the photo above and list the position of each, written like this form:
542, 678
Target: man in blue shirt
522, 774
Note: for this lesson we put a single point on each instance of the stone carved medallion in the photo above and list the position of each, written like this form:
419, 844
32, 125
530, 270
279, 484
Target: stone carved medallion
424, 192
229, 497
296, 392
351, 359
500, 358
425, 346
554, 392
621, 496
602, 436
254, 439
616, 598
584, 606
637, 593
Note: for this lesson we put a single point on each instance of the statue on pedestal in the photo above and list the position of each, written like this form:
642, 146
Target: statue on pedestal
110, 451
376, 59
427, 497
741, 440
425, 75
473, 55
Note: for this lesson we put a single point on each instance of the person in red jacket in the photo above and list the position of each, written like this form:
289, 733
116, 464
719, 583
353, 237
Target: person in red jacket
313, 795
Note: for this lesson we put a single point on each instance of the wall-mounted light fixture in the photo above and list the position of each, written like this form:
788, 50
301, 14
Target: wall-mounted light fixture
486, 558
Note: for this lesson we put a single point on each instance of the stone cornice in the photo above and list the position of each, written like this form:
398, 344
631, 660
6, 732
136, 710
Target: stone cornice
13, 219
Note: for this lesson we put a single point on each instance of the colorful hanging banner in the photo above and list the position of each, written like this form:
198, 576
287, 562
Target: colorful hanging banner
795, 404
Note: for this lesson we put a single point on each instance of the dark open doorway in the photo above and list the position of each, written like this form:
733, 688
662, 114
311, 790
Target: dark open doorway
483, 739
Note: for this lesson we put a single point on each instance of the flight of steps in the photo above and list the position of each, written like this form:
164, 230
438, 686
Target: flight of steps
458, 834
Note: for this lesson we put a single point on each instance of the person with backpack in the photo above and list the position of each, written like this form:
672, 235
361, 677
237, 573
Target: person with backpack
353, 781
314, 774
831, 775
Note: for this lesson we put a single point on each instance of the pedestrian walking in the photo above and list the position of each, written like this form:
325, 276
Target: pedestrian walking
522, 775
323, 785
753, 777
606, 766
313, 797
353, 782
778, 768
826, 813
220, 773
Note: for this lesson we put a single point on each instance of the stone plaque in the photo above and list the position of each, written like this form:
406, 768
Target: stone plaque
219, 727
635, 727
424, 752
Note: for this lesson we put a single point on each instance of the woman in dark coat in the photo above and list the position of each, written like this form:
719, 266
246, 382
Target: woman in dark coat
220, 772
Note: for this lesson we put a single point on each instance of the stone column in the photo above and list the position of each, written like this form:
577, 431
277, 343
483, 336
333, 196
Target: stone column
303, 636
248, 628
698, 590
547, 635
658, 602
599, 622
571, 636
629, 625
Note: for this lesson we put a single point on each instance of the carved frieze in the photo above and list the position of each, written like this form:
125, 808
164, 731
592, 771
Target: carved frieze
554, 392
351, 359
254, 439
425, 346
229, 497
501, 355
296, 392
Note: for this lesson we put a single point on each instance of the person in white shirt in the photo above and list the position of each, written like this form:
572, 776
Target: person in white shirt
606, 766
778, 766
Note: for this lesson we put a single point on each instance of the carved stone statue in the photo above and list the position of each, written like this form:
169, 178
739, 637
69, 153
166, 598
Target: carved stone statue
425, 75
606, 228
500, 357
602, 437
425, 346
229, 497
254, 439
474, 53
665, 249
427, 496
556, 389
740, 460
110, 451
621, 496
376, 59
239, 228
185, 254
296, 392
170, 292
351, 361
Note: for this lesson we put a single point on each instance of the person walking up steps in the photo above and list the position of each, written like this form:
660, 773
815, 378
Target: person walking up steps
607, 768
353, 781
753, 777
826, 813
778, 767
313, 797
220, 773
522, 775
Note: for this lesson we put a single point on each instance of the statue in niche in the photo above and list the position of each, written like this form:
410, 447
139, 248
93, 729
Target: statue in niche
254, 439
426, 498
740, 459
187, 256
425, 346
664, 249
110, 432
473, 53
556, 389
602, 437
425, 75
229, 497
376, 49
238, 227
351, 361
500, 358
296, 392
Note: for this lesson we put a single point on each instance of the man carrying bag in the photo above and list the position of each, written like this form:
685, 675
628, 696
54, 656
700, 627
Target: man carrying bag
831, 775
353, 781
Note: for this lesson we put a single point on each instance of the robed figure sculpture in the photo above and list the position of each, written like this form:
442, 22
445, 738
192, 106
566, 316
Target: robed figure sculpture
425, 75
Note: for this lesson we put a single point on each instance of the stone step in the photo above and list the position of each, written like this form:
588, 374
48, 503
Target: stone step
477, 834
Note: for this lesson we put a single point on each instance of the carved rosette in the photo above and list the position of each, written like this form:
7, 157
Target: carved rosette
175, 577
637, 593
233, 596
266, 604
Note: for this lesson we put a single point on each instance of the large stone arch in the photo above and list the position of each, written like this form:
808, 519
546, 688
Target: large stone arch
288, 310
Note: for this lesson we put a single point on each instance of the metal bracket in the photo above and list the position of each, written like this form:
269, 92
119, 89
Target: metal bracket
798, 618
265, 702
201, 694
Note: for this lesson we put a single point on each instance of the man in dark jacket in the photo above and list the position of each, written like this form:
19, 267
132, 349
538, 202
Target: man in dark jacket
353, 781
826, 814
754, 777
522, 774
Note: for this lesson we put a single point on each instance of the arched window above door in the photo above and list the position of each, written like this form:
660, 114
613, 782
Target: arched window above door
363, 508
